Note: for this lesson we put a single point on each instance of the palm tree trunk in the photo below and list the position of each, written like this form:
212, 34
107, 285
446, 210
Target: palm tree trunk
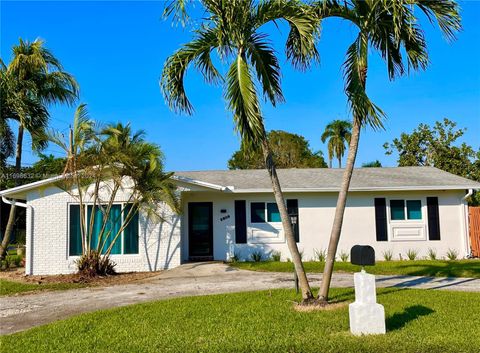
307, 295
339, 162
339, 212
13, 209
330, 163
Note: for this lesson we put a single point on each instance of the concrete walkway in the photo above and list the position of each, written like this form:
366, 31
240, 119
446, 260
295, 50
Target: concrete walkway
18, 313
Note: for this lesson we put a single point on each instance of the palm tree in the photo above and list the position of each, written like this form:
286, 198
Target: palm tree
392, 29
111, 154
36, 80
338, 133
232, 29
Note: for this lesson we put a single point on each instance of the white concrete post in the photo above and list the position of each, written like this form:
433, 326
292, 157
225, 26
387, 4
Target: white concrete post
367, 317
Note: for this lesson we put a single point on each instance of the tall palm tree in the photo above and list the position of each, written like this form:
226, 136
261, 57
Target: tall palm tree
338, 133
232, 29
391, 28
37, 80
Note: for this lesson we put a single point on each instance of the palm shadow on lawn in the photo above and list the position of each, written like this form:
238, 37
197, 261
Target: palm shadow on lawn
445, 269
400, 320
349, 295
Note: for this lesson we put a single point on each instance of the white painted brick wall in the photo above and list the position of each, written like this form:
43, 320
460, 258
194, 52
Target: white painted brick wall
159, 242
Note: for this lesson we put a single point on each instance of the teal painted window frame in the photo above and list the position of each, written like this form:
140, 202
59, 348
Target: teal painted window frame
122, 246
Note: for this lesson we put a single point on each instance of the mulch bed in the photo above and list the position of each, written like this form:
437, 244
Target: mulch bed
18, 275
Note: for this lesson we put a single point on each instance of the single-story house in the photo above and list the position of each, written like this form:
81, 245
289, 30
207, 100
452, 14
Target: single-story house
233, 212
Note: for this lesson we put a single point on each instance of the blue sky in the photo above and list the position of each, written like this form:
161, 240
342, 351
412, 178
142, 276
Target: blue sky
116, 51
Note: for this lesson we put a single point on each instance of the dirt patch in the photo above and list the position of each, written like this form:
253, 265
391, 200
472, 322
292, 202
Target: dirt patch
18, 275
319, 307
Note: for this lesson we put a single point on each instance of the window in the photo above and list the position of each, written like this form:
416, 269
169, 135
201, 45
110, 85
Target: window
397, 210
412, 209
257, 212
273, 215
126, 243
262, 212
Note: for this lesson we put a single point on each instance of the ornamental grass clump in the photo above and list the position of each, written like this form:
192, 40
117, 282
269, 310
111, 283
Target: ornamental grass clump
412, 254
388, 255
276, 256
320, 255
452, 254
256, 256
344, 256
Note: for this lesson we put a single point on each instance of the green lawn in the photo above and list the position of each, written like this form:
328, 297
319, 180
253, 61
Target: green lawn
12, 287
438, 268
417, 321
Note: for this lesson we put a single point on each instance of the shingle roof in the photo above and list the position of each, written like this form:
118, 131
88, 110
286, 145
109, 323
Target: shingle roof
323, 179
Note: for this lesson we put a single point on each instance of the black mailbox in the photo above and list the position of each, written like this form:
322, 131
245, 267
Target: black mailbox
362, 255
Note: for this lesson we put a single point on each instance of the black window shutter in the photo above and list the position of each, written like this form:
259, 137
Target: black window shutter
381, 219
240, 222
292, 208
433, 218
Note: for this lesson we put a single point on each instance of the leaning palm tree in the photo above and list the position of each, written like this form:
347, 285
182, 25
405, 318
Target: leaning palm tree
338, 133
232, 29
36, 80
392, 29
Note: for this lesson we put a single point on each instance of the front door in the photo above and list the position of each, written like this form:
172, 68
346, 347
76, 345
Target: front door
200, 231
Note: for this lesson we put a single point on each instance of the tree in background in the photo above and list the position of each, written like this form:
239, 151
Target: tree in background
338, 133
437, 147
34, 78
288, 150
392, 29
373, 164
232, 29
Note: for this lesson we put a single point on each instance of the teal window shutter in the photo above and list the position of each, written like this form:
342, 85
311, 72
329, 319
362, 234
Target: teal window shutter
130, 233
75, 246
414, 209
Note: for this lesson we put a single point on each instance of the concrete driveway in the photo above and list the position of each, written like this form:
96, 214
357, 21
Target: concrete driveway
18, 313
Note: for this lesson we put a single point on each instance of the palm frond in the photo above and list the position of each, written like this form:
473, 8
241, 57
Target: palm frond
174, 70
354, 73
267, 67
445, 12
242, 100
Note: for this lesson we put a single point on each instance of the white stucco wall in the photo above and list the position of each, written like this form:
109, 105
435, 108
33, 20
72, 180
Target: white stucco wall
165, 245
159, 243
316, 212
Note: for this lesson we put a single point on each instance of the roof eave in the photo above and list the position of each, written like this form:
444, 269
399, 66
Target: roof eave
361, 189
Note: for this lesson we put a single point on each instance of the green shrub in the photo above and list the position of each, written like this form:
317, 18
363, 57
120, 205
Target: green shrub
432, 254
412, 254
320, 255
452, 254
236, 257
256, 256
388, 255
276, 256
344, 256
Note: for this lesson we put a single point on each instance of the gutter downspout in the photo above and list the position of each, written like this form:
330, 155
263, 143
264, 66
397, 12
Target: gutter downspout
29, 249
466, 222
